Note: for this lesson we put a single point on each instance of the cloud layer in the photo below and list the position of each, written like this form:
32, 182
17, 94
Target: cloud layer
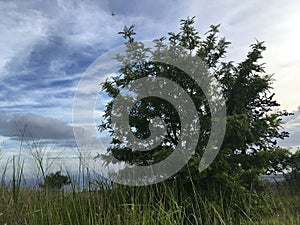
292, 125
34, 126
47, 45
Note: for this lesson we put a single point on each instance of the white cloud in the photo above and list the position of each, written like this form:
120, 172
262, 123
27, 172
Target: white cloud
292, 125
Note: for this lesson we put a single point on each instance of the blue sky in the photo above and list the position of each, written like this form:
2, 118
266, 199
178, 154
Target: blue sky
47, 45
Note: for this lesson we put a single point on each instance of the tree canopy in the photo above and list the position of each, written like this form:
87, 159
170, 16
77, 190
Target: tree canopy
254, 122
55, 181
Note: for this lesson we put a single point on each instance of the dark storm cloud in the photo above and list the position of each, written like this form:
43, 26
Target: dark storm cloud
34, 126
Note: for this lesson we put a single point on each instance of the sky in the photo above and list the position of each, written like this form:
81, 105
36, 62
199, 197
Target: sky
47, 45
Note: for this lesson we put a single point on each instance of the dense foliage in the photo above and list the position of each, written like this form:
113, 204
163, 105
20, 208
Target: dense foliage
55, 181
253, 121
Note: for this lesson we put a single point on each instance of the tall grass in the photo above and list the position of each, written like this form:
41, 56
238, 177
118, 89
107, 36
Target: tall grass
95, 202
157, 204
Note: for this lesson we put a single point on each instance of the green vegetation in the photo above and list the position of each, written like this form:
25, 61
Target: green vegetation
55, 181
253, 121
96, 202
156, 204
228, 192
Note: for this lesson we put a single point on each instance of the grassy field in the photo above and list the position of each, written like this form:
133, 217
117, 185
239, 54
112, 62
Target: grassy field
158, 204
98, 203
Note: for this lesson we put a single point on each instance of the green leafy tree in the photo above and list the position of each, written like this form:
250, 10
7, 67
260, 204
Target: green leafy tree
55, 181
295, 161
294, 177
253, 123
274, 160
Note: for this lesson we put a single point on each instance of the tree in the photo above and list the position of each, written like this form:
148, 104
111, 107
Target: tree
295, 161
294, 176
253, 123
55, 181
